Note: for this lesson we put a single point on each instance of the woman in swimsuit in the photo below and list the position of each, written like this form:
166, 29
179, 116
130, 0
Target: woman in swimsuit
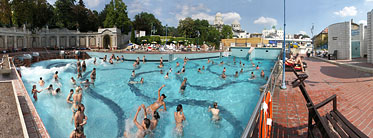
183, 69
80, 118
93, 75
34, 91
179, 119
157, 104
50, 88
183, 85
77, 99
215, 112
142, 129
166, 76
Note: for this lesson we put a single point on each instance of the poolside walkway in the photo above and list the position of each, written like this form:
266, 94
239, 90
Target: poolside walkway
354, 90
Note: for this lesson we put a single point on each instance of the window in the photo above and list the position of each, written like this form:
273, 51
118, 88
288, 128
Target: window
335, 38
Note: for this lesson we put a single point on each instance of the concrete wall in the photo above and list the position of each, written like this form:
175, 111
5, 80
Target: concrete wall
265, 53
339, 38
240, 51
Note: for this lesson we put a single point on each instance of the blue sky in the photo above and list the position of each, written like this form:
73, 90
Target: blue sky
254, 15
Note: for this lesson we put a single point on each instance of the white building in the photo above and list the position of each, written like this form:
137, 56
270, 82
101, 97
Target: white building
369, 37
218, 22
237, 30
273, 33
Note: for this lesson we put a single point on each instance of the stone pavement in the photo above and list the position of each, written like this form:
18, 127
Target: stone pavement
354, 90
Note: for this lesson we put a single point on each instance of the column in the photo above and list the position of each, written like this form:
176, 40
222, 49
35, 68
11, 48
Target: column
77, 41
25, 41
58, 41
6, 41
15, 42
40, 42
68, 41
87, 42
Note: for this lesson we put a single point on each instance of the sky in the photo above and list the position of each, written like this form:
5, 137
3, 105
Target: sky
254, 15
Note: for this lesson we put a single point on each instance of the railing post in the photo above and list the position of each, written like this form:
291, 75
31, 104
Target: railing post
335, 103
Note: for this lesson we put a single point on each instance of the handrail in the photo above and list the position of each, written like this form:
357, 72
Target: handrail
269, 85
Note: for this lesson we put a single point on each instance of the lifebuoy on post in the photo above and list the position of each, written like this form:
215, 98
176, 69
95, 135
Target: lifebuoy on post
265, 118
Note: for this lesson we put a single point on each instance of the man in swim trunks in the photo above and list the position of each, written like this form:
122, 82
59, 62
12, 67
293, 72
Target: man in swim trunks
252, 75
236, 75
241, 70
143, 59
55, 76
157, 104
177, 64
215, 112
183, 85
262, 74
41, 82
179, 119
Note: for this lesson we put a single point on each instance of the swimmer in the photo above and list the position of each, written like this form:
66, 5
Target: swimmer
223, 75
236, 75
208, 61
170, 70
199, 70
133, 73
94, 61
80, 119
161, 71
118, 58
177, 64
161, 60
183, 85
203, 67
86, 83
93, 75
111, 61
183, 69
41, 82
49, 89
253, 64
138, 61
122, 58
215, 112
79, 75
57, 91
179, 119
143, 59
104, 60
73, 81
240, 63
212, 62
134, 64
154, 121
166, 76
160, 65
142, 128
78, 63
135, 82
221, 63
78, 69
84, 66
257, 66
55, 76
68, 99
157, 104
178, 72
252, 75
224, 69
34, 92
241, 70
243, 65
262, 74
78, 133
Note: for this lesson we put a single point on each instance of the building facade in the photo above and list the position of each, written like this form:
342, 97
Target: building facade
321, 40
369, 37
218, 22
20, 38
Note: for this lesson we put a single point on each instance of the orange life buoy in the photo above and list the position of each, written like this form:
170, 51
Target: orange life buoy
265, 118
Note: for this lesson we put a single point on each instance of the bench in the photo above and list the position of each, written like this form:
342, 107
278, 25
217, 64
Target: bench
334, 55
331, 125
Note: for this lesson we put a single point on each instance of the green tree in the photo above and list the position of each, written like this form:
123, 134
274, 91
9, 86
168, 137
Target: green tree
117, 16
64, 12
5, 9
186, 27
147, 22
133, 39
42, 14
213, 36
226, 32
22, 12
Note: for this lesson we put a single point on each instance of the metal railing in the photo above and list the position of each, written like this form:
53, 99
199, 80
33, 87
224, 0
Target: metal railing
269, 87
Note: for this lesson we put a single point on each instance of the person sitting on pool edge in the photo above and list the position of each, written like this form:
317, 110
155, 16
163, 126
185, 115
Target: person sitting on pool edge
41, 82
157, 104
215, 112
179, 119
135, 82
183, 85
142, 129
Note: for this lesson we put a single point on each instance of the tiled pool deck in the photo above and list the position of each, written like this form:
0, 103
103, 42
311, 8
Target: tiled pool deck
354, 90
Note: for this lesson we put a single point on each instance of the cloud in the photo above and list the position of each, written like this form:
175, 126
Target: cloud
369, 0
137, 6
268, 21
302, 32
51, 2
157, 11
92, 3
200, 11
229, 17
347, 11
364, 22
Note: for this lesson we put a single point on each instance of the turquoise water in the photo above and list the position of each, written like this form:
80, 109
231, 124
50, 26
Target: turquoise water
112, 103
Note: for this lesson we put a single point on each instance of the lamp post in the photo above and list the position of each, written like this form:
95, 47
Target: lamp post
283, 86
166, 34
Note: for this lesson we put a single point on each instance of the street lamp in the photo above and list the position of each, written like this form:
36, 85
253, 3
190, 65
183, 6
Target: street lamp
166, 34
283, 86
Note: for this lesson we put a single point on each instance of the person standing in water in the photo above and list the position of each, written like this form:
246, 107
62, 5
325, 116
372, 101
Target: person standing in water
142, 129
68, 99
94, 61
34, 92
80, 119
215, 112
41, 82
93, 75
179, 119
183, 85
84, 66
157, 104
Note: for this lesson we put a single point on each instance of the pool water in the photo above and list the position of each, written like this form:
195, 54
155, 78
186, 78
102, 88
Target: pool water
112, 103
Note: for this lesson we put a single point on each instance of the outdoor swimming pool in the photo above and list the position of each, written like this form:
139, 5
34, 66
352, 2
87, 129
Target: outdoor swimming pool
112, 103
